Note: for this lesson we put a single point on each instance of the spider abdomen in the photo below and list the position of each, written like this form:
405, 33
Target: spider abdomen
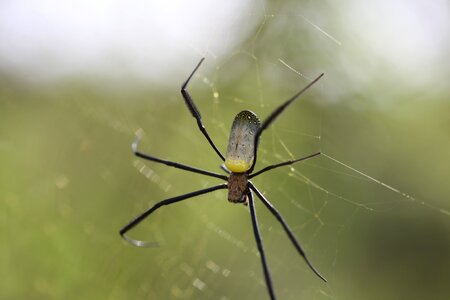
241, 145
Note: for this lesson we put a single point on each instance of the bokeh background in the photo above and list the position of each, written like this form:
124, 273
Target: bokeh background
78, 78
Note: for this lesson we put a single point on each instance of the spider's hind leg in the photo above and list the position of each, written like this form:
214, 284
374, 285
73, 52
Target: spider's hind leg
224, 168
195, 112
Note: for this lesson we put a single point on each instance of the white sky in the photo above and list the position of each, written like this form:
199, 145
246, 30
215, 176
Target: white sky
53, 38
411, 35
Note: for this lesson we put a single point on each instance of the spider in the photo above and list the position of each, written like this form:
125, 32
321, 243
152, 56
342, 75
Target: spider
239, 163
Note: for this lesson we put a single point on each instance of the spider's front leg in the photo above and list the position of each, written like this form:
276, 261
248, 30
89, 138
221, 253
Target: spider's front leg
259, 244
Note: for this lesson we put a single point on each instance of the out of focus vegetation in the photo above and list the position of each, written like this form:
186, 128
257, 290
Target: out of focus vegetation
69, 182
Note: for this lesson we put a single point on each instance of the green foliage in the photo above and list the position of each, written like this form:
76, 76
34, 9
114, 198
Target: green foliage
69, 182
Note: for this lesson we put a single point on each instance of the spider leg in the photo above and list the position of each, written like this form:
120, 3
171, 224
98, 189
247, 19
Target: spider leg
275, 114
286, 163
146, 213
286, 229
260, 247
136, 152
224, 168
194, 110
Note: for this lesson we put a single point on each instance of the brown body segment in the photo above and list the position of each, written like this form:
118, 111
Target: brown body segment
238, 187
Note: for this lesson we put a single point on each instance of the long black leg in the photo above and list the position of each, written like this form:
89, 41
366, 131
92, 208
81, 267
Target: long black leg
275, 114
286, 229
194, 110
286, 163
171, 163
145, 214
224, 168
260, 247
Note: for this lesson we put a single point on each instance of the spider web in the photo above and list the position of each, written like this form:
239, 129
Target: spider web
324, 200
366, 215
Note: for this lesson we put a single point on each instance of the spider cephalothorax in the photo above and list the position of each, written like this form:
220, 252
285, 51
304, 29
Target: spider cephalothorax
239, 163
238, 187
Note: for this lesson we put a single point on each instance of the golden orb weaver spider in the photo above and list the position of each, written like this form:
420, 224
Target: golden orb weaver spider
239, 163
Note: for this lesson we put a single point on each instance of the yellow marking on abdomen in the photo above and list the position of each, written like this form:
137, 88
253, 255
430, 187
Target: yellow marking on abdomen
237, 165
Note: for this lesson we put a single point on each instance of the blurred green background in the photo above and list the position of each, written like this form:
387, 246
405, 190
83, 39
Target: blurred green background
69, 181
